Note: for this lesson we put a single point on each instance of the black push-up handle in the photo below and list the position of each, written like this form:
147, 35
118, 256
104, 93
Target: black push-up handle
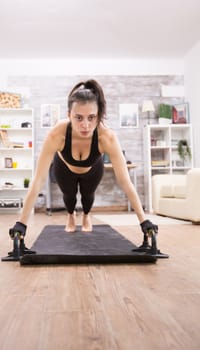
19, 249
151, 249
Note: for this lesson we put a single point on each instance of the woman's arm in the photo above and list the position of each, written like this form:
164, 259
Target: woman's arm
110, 145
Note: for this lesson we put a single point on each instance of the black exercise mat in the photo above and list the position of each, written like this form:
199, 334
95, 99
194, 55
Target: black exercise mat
103, 245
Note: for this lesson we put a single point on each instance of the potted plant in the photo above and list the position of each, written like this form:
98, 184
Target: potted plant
26, 182
164, 113
184, 150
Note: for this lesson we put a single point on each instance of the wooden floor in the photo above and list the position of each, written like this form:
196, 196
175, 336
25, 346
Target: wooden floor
103, 307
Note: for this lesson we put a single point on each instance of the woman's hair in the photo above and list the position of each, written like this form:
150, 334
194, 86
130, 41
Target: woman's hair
88, 91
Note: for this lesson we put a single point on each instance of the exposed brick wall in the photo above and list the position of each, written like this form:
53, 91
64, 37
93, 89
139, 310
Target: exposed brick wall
117, 89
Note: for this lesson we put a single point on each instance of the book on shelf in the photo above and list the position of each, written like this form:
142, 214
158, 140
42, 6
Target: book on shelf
159, 163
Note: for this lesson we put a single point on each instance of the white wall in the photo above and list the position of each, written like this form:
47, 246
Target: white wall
192, 93
89, 67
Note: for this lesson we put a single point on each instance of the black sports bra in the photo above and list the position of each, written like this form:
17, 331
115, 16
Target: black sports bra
67, 150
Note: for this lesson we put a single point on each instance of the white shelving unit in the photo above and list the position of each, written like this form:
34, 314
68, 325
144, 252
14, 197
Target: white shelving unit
16, 156
161, 153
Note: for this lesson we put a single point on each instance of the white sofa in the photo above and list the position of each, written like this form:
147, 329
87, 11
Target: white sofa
177, 196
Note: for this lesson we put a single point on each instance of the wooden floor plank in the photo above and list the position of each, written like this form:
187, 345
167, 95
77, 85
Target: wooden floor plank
103, 307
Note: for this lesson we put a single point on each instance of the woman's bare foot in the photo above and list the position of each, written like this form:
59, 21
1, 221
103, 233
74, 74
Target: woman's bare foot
71, 225
86, 223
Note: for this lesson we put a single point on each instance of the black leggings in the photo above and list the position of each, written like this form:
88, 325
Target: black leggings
69, 183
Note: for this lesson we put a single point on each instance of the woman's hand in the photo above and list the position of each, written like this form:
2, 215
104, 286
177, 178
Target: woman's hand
147, 226
20, 228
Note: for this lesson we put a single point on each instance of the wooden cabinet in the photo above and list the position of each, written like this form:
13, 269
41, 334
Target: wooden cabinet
161, 154
16, 156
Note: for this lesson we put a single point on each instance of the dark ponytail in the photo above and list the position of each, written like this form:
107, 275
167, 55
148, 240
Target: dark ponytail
88, 91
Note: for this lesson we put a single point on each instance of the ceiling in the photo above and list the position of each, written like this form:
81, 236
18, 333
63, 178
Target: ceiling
98, 28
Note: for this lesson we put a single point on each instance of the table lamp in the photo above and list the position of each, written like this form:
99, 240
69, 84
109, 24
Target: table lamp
148, 107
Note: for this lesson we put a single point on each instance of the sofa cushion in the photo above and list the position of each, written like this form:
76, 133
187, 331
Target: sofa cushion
179, 191
167, 191
173, 191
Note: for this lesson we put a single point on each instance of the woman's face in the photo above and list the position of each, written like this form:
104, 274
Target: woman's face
84, 118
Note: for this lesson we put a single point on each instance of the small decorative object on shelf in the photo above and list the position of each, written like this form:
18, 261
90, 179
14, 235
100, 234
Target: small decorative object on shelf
12, 203
165, 114
180, 113
26, 125
10, 100
184, 150
26, 182
18, 145
8, 162
5, 139
8, 184
159, 163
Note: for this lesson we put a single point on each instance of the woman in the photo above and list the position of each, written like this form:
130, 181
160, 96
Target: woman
75, 147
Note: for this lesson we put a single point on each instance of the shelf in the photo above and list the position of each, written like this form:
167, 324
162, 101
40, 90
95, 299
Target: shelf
181, 168
10, 208
16, 150
13, 189
6, 149
160, 167
160, 147
161, 153
15, 169
17, 129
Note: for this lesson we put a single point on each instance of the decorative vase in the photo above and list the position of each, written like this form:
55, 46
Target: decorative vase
164, 121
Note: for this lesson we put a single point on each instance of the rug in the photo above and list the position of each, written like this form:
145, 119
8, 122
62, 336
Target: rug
102, 245
131, 219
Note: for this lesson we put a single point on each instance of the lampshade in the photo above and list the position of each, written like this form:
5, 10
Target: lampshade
148, 106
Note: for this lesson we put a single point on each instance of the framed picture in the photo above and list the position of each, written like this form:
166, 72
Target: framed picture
8, 162
128, 113
50, 114
180, 113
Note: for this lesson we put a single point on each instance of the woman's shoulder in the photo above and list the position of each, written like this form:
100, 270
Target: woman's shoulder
61, 123
106, 136
60, 127
57, 134
105, 131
